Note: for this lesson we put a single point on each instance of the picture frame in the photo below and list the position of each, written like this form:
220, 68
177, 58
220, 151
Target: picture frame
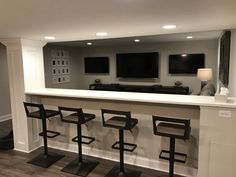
58, 54
59, 71
54, 71
59, 79
63, 62
67, 69
54, 62
63, 70
54, 80
58, 61
67, 62
63, 79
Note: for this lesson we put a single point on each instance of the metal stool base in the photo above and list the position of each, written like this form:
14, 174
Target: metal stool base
80, 168
45, 161
115, 172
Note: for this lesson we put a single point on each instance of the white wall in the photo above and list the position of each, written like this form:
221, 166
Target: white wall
232, 70
5, 105
82, 80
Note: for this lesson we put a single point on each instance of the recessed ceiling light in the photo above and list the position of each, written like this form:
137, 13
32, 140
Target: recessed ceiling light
49, 37
137, 40
101, 34
89, 43
189, 37
169, 27
184, 55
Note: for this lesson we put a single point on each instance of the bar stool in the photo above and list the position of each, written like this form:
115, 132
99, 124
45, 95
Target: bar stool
79, 166
46, 159
120, 120
174, 129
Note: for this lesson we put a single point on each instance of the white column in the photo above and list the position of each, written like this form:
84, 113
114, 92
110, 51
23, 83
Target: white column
33, 64
25, 67
232, 70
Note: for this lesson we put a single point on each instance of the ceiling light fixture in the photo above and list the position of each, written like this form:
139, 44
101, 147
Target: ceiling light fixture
89, 43
184, 55
189, 37
137, 40
49, 37
101, 34
169, 27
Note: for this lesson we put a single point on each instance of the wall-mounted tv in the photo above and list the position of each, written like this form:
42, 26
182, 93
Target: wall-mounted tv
95, 65
137, 65
225, 58
186, 63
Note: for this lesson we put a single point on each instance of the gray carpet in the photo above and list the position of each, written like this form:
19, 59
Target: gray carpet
5, 127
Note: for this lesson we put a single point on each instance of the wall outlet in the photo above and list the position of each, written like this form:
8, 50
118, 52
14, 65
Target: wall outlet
224, 113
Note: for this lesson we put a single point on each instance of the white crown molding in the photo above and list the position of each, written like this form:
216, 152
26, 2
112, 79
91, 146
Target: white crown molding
11, 42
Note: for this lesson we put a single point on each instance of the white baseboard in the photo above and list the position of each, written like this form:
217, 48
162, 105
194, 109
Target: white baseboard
130, 158
5, 117
20, 150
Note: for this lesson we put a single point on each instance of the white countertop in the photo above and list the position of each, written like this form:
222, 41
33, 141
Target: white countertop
136, 97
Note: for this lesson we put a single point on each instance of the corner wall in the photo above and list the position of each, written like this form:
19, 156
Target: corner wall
5, 104
232, 70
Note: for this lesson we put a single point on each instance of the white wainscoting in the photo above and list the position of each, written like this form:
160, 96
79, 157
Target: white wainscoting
129, 159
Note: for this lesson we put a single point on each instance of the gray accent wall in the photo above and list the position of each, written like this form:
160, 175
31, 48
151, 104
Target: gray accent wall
209, 47
5, 104
74, 67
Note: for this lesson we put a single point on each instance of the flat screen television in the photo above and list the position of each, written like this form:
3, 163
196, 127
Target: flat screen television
137, 65
96, 65
225, 58
186, 63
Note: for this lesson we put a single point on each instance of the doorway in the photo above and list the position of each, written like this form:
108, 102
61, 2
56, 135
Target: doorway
6, 134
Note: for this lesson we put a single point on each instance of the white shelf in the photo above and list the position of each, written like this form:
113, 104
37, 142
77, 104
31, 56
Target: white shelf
191, 100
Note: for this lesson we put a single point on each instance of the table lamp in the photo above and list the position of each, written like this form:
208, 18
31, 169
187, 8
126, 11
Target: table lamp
204, 75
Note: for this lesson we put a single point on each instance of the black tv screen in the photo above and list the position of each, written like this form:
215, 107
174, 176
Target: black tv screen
186, 63
96, 64
137, 65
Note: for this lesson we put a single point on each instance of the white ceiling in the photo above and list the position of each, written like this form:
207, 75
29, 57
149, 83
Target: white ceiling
69, 20
207, 35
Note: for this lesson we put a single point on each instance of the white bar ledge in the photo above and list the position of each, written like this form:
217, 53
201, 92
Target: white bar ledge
191, 100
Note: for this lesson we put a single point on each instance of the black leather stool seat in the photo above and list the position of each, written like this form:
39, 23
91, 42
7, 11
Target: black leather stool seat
171, 130
120, 123
48, 113
73, 118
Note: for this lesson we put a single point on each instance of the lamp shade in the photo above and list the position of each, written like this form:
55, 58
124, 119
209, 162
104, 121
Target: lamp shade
204, 74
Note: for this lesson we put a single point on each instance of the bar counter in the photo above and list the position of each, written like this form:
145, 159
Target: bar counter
213, 128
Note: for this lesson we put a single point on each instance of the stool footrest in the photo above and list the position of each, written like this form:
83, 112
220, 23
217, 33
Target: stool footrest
167, 156
127, 146
91, 139
54, 134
